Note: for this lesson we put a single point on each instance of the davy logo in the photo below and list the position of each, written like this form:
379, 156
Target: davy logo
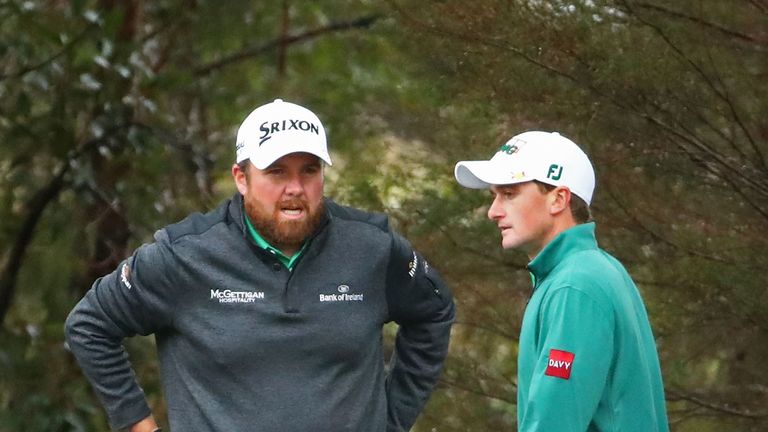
555, 172
267, 128
559, 364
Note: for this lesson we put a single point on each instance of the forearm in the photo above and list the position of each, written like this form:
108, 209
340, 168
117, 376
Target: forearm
420, 352
97, 346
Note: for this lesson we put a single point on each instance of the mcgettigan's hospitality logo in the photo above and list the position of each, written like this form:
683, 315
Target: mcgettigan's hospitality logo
229, 296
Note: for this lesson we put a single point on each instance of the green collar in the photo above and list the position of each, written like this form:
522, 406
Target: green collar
577, 238
288, 262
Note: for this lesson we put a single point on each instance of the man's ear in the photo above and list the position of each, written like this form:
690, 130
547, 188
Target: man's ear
241, 180
560, 200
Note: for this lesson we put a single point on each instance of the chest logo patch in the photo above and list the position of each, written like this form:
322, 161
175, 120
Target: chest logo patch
229, 296
560, 364
342, 295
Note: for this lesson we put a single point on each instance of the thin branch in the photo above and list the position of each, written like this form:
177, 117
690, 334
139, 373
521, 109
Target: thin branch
248, 53
488, 328
477, 392
759, 5
737, 118
673, 395
27, 69
282, 52
699, 21
660, 238
33, 211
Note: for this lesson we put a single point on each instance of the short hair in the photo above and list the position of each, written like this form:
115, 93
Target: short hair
579, 208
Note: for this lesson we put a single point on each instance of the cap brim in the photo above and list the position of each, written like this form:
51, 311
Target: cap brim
264, 162
484, 174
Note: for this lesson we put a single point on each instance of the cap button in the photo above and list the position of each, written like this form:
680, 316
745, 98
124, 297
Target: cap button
278, 100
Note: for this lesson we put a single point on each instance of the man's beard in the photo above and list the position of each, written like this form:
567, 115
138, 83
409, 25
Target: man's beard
282, 234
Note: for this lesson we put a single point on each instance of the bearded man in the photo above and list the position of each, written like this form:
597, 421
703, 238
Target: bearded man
268, 311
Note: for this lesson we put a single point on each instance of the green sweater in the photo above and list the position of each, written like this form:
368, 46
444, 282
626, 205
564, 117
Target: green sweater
587, 359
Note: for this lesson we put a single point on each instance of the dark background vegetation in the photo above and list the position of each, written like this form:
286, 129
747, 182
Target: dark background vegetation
118, 117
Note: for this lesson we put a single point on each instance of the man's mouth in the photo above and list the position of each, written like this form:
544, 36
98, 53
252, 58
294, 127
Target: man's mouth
292, 211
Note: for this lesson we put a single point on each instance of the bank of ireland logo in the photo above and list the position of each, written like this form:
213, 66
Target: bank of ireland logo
555, 172
343, 296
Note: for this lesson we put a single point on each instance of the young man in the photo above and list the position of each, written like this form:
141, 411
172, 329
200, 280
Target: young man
268, 311
587, 358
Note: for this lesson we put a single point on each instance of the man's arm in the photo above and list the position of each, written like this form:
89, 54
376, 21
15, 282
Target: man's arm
131, 300
575, 351
422, 306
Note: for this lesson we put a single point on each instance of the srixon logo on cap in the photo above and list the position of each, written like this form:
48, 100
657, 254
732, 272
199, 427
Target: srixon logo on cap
560, 364
267, 128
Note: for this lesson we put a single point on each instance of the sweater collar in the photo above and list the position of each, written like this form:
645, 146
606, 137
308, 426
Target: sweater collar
578, 238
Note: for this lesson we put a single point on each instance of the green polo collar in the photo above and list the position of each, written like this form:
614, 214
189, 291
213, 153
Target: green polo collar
288, 262
577, 238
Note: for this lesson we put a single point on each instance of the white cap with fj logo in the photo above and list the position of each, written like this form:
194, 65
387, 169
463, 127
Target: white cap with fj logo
544, 156
279, 128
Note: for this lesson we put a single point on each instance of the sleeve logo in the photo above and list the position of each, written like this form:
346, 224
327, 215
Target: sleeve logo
560, 364
125, 276
413, 265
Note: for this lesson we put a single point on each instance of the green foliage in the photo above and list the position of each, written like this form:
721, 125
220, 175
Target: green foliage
135, 106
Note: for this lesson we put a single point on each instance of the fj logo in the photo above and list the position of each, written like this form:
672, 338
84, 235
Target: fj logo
555, 172
559, 364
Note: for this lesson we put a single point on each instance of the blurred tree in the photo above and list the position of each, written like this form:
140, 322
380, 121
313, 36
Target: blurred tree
669, 98
118, 117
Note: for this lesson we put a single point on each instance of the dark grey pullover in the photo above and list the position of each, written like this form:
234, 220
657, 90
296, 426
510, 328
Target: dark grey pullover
246, 345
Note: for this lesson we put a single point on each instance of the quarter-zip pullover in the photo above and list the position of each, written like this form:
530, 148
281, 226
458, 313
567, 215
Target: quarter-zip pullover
587, 359
247, 345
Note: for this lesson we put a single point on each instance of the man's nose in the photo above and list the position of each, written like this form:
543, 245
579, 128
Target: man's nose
495, 211
294, 187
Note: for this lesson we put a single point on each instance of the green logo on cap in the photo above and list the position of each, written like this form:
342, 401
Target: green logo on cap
508, 149
555, 172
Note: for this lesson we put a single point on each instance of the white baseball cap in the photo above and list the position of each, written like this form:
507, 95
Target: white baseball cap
544, 156
279, 128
